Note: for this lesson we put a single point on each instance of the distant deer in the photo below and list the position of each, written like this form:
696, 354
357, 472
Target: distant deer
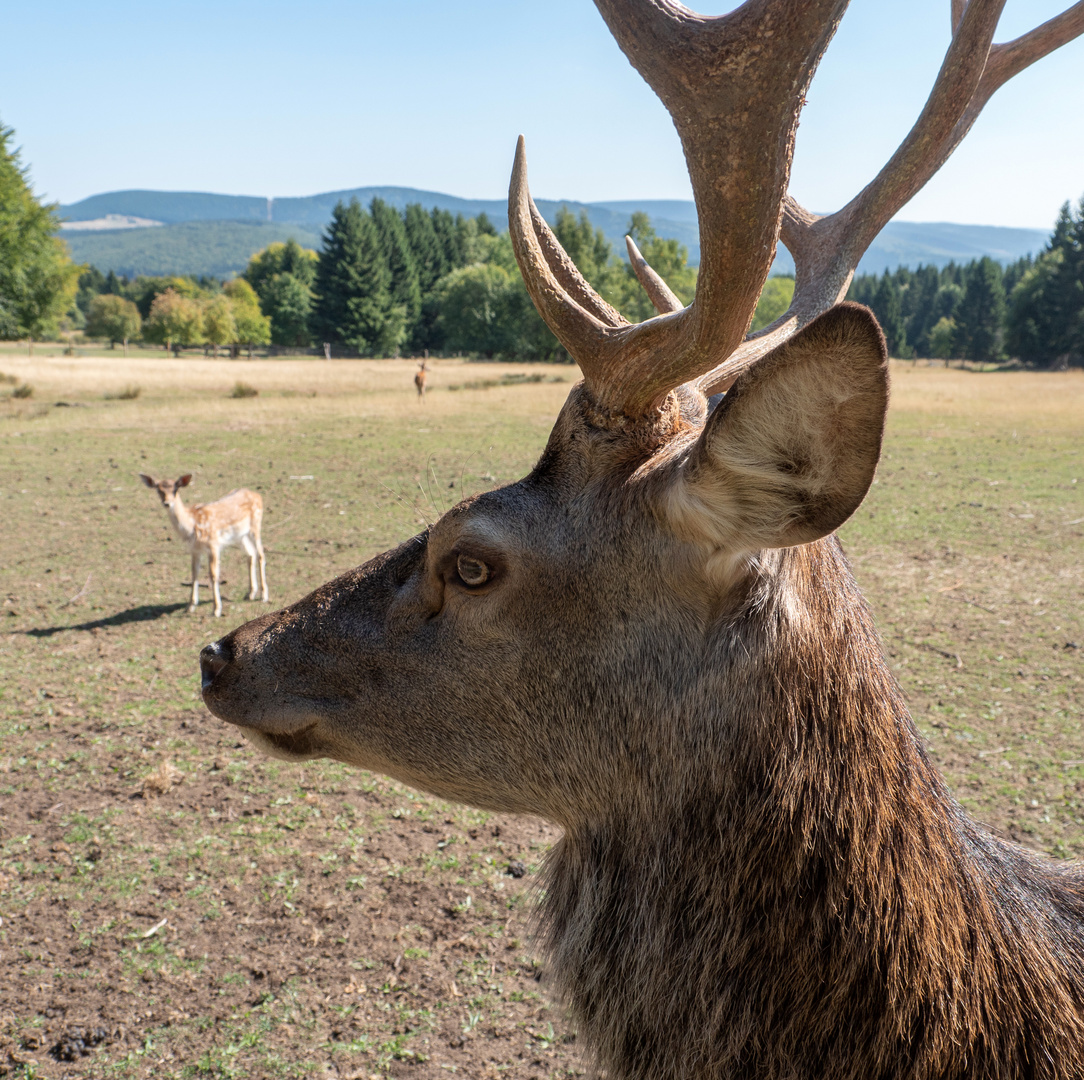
655, 640
420, 378
234, 519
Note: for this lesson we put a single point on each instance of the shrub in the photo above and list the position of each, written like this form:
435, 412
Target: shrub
24, 391
243, 390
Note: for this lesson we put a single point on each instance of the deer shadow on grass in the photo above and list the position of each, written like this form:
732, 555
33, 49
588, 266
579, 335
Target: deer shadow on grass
142, 613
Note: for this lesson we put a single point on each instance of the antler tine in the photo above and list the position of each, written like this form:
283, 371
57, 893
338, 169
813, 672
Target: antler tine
567, 273
616, 361
662, 299
827, 249
956, 13
579, 330
1012, 57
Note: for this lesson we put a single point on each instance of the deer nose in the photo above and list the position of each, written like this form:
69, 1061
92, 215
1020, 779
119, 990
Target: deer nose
212, 659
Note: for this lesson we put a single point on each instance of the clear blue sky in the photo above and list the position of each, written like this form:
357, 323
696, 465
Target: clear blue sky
270, 98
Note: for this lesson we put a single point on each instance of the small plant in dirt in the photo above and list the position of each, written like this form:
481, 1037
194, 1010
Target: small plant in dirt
129, 393
22, 391
11, 380
243, 390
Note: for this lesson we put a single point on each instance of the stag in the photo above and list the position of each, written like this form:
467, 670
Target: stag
655, 641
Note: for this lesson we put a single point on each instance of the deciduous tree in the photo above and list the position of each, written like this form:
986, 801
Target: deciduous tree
37, 278
174, 321
114, 318
251, 326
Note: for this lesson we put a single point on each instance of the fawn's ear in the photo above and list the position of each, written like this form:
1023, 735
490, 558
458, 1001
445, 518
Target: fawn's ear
790, 452
184, 481
148, 480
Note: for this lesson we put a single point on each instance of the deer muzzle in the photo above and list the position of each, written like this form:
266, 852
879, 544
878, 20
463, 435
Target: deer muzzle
280, 721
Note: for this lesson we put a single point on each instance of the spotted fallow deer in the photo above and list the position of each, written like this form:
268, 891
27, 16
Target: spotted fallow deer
655, 640
233, 520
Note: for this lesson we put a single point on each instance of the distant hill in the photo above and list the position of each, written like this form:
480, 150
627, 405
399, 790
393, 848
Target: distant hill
218, 248
204, 233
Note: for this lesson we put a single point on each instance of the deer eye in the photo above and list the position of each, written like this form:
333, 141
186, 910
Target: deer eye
472, 572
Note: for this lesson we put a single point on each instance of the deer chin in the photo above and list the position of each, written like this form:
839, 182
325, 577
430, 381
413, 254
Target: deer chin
287, 727
292, 746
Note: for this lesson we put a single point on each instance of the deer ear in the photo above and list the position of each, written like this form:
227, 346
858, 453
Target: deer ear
791, 450
148, 480
184, 480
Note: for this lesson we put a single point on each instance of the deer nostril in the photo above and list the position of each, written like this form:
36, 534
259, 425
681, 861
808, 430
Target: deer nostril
212, 660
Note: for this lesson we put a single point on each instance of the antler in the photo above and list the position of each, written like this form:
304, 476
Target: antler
826, 250
658, 292
734, 85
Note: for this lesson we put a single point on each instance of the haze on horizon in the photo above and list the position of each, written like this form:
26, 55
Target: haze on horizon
252, 98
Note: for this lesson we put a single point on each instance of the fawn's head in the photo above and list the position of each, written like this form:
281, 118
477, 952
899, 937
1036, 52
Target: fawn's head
167, 489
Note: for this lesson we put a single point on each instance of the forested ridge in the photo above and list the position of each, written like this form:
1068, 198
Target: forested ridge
1031, 310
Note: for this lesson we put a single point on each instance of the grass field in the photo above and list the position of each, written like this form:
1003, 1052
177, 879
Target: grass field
175, 905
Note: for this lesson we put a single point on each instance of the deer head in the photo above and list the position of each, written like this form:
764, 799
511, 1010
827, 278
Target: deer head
500, 657
656, 625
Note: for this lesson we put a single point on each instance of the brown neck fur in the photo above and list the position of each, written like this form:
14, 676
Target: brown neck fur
806, 899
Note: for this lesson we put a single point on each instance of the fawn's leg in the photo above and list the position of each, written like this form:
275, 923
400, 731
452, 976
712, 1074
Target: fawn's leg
263, 568
194, 601
250, 550
214, 560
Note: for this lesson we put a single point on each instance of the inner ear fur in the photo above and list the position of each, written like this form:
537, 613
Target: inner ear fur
148, 480
791, 450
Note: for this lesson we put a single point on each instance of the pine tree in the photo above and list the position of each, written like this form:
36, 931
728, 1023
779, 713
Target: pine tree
425, 245
981, 312
1015, 271
451, 238
863, 288
1046, 310
38, 280
406, 289
918, 308
886, 306
353, 305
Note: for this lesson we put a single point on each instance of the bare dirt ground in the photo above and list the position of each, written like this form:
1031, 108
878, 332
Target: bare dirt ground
175, 905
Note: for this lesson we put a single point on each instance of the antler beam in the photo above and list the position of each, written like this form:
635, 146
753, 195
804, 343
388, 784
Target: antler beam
826, 250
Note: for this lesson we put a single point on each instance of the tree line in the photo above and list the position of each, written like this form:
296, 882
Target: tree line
387, 281
384, 282
176, 312
1031, 310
